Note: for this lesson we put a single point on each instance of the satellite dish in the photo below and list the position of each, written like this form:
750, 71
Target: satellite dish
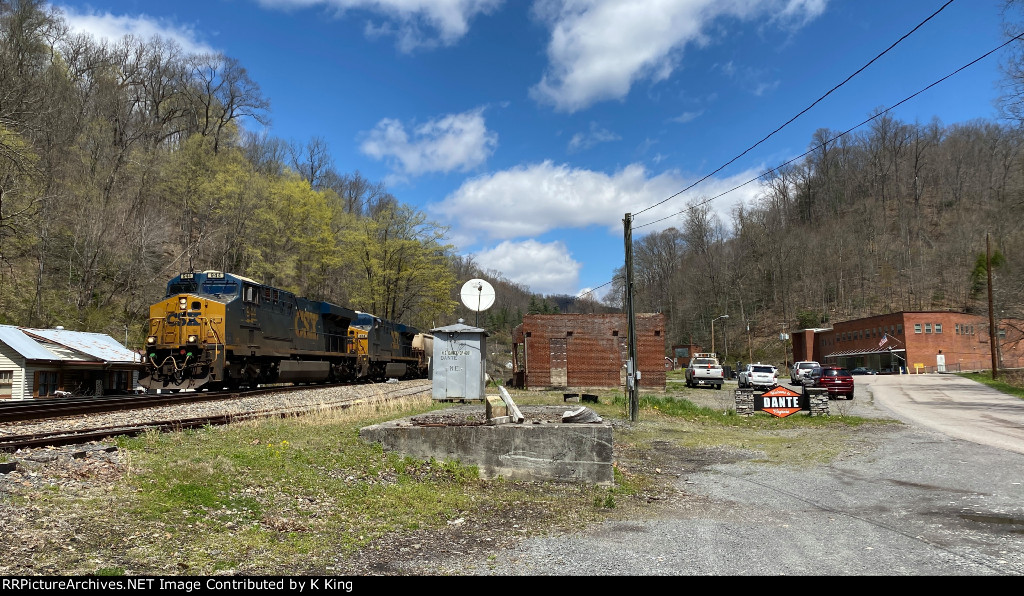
477, 295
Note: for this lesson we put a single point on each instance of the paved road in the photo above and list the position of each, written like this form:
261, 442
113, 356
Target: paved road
942, 494
952, 405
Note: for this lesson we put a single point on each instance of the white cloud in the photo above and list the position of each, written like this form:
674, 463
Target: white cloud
114, 27
531, 200
600, 48
687, 117
455, 142
413, 23
597, 134
546, 268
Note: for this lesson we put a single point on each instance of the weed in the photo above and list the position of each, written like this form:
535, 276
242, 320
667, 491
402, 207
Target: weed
1009, 382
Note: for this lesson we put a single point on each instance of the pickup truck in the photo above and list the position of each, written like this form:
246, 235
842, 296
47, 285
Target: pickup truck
758, 376
704, 369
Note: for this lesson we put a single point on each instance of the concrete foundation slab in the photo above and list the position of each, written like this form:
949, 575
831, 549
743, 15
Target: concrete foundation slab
541, 448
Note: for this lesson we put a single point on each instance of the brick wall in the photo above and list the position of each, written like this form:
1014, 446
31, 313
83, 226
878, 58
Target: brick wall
595, 350
962, 338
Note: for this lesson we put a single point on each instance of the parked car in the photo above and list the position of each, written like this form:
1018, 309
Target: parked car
837, 380
801, 370
860, 370
704, 369
758, 376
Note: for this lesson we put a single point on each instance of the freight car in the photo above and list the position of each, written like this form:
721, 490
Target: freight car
220, 330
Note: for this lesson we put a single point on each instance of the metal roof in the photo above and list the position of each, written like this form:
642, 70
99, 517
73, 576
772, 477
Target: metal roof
459, 328
97, 345
25, 345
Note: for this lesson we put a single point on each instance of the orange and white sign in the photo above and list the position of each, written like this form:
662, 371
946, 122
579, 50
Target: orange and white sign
780, 402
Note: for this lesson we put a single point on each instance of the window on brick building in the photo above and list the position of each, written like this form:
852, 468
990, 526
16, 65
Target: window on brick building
938, 327
917, 327
615, 333
568, 333
657, 333
927, 327
899, 329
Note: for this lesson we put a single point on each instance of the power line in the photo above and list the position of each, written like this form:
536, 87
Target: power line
822, 144
826, 142
802, 112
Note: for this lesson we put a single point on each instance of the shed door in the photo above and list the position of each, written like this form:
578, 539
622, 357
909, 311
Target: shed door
559, 362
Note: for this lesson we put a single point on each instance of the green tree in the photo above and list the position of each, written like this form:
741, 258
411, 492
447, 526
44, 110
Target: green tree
403, 267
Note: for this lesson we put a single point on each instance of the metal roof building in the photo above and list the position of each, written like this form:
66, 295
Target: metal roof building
54, 362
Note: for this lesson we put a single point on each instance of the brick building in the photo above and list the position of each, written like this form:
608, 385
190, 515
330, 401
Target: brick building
926, 341
586, 351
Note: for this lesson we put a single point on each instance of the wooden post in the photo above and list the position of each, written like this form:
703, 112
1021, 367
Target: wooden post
632, 366
992, 330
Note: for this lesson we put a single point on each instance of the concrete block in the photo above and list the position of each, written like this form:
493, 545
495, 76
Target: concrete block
495, 407
539, 449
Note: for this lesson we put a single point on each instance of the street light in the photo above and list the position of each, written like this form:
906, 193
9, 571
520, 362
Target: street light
713, 331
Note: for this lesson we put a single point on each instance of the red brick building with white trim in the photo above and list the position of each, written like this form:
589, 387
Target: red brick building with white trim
925, 341
586, 351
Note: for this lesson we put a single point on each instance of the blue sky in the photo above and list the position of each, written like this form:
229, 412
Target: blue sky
530, 128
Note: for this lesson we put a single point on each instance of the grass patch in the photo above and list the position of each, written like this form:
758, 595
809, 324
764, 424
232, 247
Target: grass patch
1010, 382
305, 495
292, 496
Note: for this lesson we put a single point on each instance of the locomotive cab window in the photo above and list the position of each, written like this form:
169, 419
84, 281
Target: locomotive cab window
251, 294
181, 287
220, 287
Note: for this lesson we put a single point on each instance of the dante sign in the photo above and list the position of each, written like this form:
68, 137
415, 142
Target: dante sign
781, 402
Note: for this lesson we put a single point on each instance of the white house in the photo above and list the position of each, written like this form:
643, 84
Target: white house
48, 362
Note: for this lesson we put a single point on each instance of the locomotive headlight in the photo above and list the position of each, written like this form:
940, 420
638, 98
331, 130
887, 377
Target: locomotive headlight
183, 303
151, 340
193, 339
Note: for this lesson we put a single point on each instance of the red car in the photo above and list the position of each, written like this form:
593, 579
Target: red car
837, 380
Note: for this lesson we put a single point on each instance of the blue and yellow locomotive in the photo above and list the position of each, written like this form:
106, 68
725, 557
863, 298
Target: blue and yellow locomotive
219, 330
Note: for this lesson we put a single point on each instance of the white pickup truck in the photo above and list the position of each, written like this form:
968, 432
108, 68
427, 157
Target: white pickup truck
704, 369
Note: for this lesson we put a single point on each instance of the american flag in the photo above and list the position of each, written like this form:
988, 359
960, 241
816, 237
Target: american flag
884, 338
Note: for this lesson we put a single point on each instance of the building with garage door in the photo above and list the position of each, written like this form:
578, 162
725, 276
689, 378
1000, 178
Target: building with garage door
926, 341
54, 362
586, 351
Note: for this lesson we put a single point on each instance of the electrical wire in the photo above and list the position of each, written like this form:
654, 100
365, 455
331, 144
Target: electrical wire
816, 147
802, 112
847, 131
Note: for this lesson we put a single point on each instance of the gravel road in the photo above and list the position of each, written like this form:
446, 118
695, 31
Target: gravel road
909, 500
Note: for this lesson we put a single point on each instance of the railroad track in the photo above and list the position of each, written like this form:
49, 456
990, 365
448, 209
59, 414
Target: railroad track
158, 414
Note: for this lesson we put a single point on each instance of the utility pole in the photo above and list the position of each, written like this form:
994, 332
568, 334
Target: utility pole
750, 350
632, 374
992, 330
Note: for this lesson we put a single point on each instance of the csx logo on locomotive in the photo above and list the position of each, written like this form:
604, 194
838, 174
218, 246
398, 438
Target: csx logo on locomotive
305, 324
183, 319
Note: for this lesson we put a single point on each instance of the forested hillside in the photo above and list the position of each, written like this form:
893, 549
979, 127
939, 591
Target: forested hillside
123, 164
891, 218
